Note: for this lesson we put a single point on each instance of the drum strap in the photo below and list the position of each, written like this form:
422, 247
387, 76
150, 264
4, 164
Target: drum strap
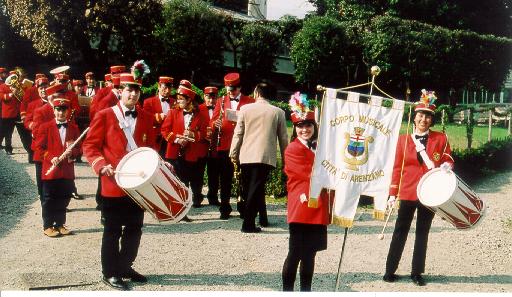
125, 127
420, 148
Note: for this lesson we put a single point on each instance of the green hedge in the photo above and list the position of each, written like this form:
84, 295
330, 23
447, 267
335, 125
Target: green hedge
472, 164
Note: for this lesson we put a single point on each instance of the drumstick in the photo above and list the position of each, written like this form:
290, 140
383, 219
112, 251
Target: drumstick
381, 235
138, 173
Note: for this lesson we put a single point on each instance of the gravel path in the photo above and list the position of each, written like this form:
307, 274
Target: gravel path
213, 255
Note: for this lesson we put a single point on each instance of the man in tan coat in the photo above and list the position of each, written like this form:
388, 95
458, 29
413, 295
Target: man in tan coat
259, 127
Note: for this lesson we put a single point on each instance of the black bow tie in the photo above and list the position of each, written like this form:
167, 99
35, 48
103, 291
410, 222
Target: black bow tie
211, 107
59, 125
312, 145
165, 100
187, 112
235, 99
133, 113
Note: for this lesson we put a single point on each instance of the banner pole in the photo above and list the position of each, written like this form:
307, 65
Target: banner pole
341, 258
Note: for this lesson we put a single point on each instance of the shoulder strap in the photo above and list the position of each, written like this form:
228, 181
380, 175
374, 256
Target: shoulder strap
125, 127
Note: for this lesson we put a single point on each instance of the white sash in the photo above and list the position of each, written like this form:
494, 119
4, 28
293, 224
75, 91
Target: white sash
420, 148
123, 124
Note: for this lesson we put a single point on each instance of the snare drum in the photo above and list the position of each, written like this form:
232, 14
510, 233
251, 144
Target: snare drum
452, 199
143, 175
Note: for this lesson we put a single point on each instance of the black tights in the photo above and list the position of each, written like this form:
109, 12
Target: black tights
307, 267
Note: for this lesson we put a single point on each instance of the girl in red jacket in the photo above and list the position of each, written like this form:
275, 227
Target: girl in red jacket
308, 226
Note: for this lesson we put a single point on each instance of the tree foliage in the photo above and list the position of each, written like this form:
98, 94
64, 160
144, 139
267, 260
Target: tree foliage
192, 39
260, 43
87, 33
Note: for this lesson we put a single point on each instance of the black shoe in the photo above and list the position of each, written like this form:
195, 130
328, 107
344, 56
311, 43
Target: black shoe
225, 216
390, 278
76, 196
186, 219
197, 205
264, 223
251, 230
134, 276
418, 280
115, 282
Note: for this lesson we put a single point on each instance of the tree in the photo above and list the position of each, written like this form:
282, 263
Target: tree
318, 52
88, 34
259, 47
192, 39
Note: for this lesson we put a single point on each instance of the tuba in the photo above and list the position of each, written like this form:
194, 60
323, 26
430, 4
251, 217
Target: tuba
17, 89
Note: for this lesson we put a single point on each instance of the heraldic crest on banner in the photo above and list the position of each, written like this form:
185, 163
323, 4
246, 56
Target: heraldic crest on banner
355, 153
357, 148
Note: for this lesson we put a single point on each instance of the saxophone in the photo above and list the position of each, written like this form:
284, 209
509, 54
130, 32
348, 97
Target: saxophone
240, 201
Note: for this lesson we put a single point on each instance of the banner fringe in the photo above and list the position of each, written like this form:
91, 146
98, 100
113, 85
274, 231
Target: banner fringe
342, 222
313, 203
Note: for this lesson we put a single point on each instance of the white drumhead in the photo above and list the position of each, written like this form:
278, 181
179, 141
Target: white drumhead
436, 187
136, 167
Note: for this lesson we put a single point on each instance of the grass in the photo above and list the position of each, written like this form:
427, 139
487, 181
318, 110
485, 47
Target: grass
456, 134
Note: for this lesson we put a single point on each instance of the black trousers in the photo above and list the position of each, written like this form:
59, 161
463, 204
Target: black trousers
55, 199
402, 226
7, 129
213, 173
39, 182
226, 179
121, 235
188, 173
254, 176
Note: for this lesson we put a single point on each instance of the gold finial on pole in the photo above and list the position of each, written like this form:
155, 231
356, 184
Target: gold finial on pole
375, 70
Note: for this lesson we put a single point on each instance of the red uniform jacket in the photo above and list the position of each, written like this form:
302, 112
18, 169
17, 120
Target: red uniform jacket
10, 106
438, 150
298, 166
31, 94
49, 143
106, 144
107, 101
28, 122
154, 107
227, 127
97, 98
42, 115
174, 124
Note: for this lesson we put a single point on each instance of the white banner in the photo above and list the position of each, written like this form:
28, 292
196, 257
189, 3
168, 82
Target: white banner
355, 152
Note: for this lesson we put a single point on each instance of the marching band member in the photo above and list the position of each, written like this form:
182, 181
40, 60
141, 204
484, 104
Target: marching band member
30, 94
416, 154
260, 127
159, 106
232, 101
106, 144
53, 141
90, 88
3, 76
41, 84
211, 161
78, 87
70, 94
10, 113
308, 225
184, 128
114, 71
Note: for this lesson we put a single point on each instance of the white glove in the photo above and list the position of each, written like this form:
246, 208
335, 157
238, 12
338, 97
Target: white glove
446, 166
391, 201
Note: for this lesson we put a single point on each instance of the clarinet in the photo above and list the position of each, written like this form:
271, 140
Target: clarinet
221, 115
216, 134
187, 126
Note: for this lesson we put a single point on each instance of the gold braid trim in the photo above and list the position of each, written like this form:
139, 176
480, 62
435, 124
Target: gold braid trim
169, 136
96, 161
343, 222
313, 202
